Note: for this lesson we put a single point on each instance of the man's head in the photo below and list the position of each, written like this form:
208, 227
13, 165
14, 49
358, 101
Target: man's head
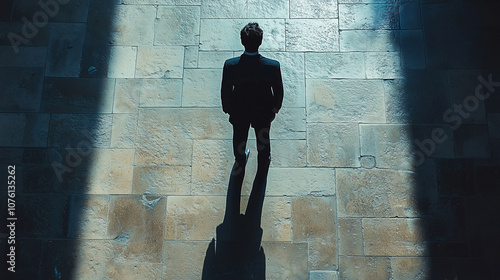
251, 37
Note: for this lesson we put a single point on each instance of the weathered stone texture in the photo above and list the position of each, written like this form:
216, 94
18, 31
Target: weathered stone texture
350, 237
288, 153
186, 265
369, 40
320, 232
375, 193
332, 145
201, 88
213, 60
313, 9
136, 223
162, 180
323, 275
335, 65
393, 237
88, 218
268, 8
286, 260
224, 9
290, 123
159, 62
65, 49
368, 16
73, 129
122, 61
223, 34
345, 101
177, 25
24, 130
193, 217
364, 267
191, 56
125, 25
383, 65
301, 181
312, 35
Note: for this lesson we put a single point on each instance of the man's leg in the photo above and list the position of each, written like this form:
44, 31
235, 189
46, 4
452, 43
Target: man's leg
240, 136
256, 200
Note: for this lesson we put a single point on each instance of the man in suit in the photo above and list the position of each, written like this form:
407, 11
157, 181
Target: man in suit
252, 94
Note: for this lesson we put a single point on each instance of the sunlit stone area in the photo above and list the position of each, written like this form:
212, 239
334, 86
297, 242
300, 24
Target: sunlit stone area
385, 155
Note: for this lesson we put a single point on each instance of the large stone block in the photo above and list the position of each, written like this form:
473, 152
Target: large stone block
224, 34
421, 97
73, 129
268, 8
31, 56
201, 88
350, 237
213, 59
292, 72
345, 101
193, 217
313, 9
77, 95
159, 62
177, 25
290, 123
335, 65
333, 145
137, 224
65, 49
121, 25
108, 61
93, 259
288, 153
364, 267
393, 237
224, 9
383, 65
369, 40
22, 89
184, 260
164, 135
410, 267
320, 232
323, 275
123, 132
376, 193
368, 16
88, 217
301, 181
403, 146
191, 56
133, 93
312, 35
286, 261
24, 130
162, 180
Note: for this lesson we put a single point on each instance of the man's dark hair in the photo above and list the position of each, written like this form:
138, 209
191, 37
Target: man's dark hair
251, 36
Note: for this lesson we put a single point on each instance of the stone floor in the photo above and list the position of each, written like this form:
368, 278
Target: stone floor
386, 154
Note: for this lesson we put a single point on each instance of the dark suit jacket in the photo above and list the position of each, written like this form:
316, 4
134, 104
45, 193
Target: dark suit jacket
252, 88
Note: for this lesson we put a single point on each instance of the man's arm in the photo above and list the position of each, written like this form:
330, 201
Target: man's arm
226, 90
277, 91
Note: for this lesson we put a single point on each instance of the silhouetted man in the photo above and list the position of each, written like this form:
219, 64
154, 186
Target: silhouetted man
252, 94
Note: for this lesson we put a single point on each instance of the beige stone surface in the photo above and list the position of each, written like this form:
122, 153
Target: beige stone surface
313, 9
323, 275
123, 131
301, 181
223, 34
410, 267
159, 92
332, 145
91, 221
128, 25
285, 260
201, 88
393, 237
162, 180
368, 16
136, 223
383, 65
350, 237
193, 218
369, 40
177, 25
122, 61
364, 267
159, 62
127, 95
345, 101
375, 193
290, 123
312, 35
349, 65
224, 9
215, 60
320, 232
288, 153
184, 260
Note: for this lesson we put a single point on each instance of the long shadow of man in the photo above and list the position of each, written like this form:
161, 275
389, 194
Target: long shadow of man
252, 94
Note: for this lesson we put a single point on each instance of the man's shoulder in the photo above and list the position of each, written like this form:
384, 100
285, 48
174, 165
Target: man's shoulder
232, 61
269, 61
